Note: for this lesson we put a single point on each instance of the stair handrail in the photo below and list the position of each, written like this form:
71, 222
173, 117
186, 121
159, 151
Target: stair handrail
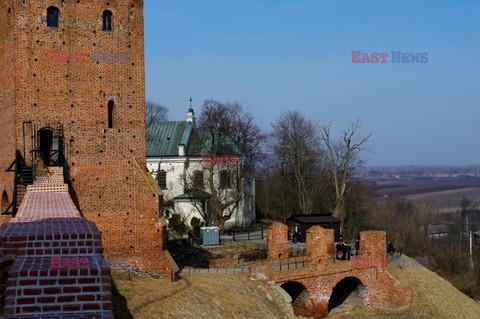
17, 164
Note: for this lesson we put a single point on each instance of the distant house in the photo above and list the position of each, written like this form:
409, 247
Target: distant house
438, 231
476, 238
301, 223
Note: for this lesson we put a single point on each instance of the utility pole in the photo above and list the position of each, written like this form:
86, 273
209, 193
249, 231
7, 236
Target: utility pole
471, 250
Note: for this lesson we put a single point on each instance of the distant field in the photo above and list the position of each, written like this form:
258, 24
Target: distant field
424, 185
448, 200
469, 192
443, 194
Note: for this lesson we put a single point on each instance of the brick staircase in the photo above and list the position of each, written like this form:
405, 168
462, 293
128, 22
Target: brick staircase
54, 256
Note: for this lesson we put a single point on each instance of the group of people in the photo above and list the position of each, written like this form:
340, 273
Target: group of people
344, 251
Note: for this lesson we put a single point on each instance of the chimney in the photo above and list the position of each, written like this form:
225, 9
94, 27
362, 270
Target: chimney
181, 150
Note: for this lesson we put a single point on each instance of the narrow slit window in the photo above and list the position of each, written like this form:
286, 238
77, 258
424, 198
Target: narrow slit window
111, 106
107, 20
52, 17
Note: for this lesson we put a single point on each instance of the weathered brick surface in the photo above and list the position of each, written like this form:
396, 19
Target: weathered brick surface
105, 165
277, 239
373, 244
317, 249
58, 270
7, 100
382, 290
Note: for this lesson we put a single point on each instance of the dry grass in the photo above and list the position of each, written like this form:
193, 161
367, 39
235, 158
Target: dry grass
197, 296
234, 296
434, 297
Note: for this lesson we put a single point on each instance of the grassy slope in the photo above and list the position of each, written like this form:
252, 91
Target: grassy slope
234, 296
198, 296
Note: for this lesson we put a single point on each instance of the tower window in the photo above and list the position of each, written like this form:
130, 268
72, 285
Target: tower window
107, 20
52, 17
111, 106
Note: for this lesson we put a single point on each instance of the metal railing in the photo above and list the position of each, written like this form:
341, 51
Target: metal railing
16, 167
246, 234
48, 157
222, 270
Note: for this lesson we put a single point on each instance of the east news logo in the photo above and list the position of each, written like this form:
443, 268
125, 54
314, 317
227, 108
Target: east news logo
395, 57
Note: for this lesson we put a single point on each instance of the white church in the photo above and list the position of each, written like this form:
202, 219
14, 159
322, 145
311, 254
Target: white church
175, 162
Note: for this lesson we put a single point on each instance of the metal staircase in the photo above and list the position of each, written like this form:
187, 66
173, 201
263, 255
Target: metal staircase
24, 176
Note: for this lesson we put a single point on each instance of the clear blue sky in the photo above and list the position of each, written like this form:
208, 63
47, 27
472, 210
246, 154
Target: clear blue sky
274, 55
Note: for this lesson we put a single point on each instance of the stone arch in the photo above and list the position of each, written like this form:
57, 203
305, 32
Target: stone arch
301, 301
4, 203
349, 291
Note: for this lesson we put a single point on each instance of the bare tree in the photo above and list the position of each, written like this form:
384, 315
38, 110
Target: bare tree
155, 112
296, 144
342, 155
224, 130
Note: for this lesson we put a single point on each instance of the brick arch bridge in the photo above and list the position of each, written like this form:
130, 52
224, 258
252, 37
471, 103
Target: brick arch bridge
312, 286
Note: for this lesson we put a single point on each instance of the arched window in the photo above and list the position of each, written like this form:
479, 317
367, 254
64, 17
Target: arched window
5, 203
198, 179
107, 20
162, 179
52, 17
225, 180
111, 106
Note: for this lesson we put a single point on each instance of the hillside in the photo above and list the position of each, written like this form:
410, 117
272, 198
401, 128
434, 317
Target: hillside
213, 296
228, 296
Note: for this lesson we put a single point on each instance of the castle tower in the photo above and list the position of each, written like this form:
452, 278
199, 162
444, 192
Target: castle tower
72, 94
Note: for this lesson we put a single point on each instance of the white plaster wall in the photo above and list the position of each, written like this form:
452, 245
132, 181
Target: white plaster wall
176, 169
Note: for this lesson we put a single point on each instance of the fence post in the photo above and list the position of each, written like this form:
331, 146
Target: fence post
248, 234
233, 232
262, 230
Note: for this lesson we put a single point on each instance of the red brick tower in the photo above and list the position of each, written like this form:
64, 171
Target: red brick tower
72, 94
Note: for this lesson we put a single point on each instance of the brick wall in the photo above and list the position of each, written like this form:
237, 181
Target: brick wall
373, 244
124, 206
7, 100
104, 164
277, 238
318, 241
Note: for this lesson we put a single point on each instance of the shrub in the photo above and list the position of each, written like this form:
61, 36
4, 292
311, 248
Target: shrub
196, 223
177, 224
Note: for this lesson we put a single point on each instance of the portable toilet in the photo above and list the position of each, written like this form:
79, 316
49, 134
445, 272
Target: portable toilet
210, 235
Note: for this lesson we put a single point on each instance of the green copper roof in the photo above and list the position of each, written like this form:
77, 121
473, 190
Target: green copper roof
163, 138
194, 194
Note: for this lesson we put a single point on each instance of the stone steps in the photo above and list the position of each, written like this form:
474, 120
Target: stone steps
56, 188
